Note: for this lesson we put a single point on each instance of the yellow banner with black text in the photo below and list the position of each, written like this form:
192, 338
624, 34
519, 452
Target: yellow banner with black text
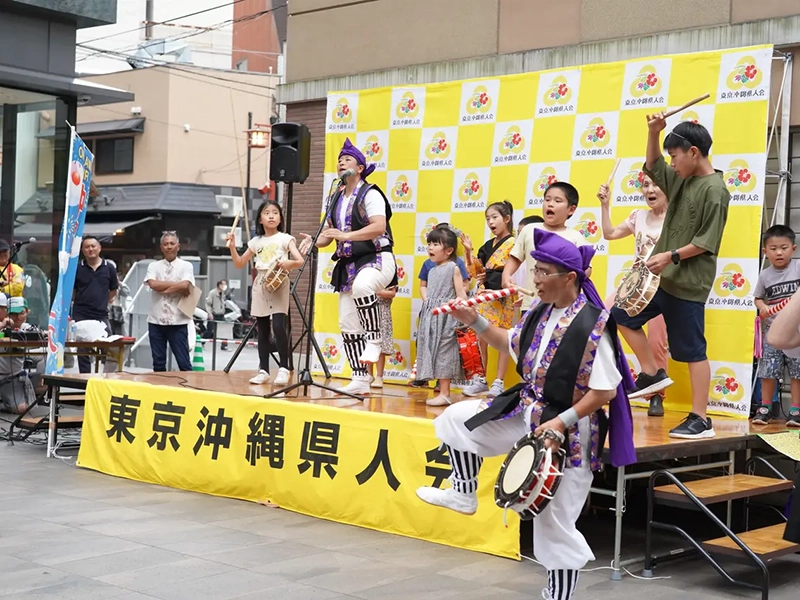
350, 466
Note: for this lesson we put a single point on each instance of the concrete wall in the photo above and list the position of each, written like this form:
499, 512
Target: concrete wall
216, 112
395, 33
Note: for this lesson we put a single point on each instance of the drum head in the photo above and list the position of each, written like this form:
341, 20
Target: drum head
518, 470
630, 284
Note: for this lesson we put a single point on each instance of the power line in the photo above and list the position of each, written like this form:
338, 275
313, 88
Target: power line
183, 36
172, 66
199, 12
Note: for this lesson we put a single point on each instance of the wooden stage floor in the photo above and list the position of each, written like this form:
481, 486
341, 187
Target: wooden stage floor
651, 434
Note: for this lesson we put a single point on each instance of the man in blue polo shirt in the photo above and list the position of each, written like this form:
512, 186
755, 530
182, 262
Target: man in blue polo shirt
96, 285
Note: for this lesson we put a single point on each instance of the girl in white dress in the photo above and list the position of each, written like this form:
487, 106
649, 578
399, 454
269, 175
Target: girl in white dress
272, 249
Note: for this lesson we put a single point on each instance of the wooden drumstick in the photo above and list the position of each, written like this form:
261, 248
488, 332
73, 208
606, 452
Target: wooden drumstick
613, 172
522, 290
675, 111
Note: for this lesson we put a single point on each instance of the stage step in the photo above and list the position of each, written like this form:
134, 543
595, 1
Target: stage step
65, 422
767, 543
722, 489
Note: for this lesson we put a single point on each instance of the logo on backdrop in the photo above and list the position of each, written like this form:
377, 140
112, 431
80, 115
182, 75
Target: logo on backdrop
438, 148
741, 76
342, 113
426, 229
402, 190
626, 268
408, 109
511, 142
397, 361
470, 189
375, 146
324, 283
743, 177
478, 101
403, 283
540, 177
330, 351
589, 228
646, 84
724, 386
629, 181
732, 286
595, 136
558, 93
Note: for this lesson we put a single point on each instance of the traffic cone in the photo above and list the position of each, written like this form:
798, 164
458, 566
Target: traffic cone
197, 359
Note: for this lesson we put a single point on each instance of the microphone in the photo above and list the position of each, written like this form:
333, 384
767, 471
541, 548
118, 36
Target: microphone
19, 245
348, 173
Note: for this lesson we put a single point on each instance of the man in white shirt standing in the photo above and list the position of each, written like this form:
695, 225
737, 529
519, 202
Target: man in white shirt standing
170, 279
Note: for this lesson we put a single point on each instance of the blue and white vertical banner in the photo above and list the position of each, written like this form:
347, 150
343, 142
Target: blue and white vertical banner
69, 249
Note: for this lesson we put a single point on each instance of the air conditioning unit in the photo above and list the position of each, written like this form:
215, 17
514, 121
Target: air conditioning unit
221, 232
229, 205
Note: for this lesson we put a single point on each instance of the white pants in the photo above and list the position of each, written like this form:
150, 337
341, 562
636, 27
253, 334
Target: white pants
557, 543
367, 283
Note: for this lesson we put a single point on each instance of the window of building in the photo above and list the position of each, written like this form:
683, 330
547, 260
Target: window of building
241, 65
113, 155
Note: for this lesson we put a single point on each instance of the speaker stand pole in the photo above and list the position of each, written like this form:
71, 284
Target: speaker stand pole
304, 379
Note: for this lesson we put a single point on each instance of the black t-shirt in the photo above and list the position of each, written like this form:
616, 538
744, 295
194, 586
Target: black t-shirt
91, 290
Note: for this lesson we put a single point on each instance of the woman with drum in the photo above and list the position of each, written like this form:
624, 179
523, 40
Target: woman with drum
275, 254
645, 225
571, 365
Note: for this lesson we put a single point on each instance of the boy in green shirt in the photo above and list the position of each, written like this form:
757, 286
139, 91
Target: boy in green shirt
686, 258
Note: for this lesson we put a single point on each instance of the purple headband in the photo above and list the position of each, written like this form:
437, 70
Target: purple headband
350, 150
553, 249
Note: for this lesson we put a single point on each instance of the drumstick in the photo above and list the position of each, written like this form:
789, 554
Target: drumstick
774, 310
674, 111
522, 290
613, 172
235, 222
487, 297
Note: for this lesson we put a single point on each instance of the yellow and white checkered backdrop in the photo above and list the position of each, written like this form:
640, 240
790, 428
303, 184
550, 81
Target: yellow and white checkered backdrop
445, 151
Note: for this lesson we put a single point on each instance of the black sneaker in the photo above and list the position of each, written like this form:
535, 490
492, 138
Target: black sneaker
419, 383
650, 384
763, 415
794, 417
694, 427
656, 406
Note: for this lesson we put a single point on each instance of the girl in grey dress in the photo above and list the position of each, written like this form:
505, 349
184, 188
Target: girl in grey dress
438, 356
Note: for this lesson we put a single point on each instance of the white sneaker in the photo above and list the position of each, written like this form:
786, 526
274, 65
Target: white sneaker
476, 388
261, 378
466, 504
357, 386
282, 378
439, 401
371, 353
498, 387
377, 382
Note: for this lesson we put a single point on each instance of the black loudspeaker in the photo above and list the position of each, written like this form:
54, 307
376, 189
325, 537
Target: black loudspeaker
290, 153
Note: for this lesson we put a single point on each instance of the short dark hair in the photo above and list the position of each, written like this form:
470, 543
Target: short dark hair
265, 204
687, 134
530, 220
779, 231
446, 237
221, 281
89, 237
570, 191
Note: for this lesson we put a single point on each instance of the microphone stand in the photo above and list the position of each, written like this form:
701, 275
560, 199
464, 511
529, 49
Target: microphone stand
304, 379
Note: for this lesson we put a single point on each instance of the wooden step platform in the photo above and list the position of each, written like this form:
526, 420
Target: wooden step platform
767, 543
722, 489
66, 422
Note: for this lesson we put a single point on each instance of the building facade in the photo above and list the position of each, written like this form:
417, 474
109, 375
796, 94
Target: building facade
461, 39
196, 32
39, 90
167, 161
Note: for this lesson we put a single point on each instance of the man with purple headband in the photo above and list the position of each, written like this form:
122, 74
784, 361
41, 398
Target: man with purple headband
566, 332
365, 265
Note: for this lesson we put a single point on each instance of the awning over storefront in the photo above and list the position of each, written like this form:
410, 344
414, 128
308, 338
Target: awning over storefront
89, 93
101, 230
141, 198
102, 128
